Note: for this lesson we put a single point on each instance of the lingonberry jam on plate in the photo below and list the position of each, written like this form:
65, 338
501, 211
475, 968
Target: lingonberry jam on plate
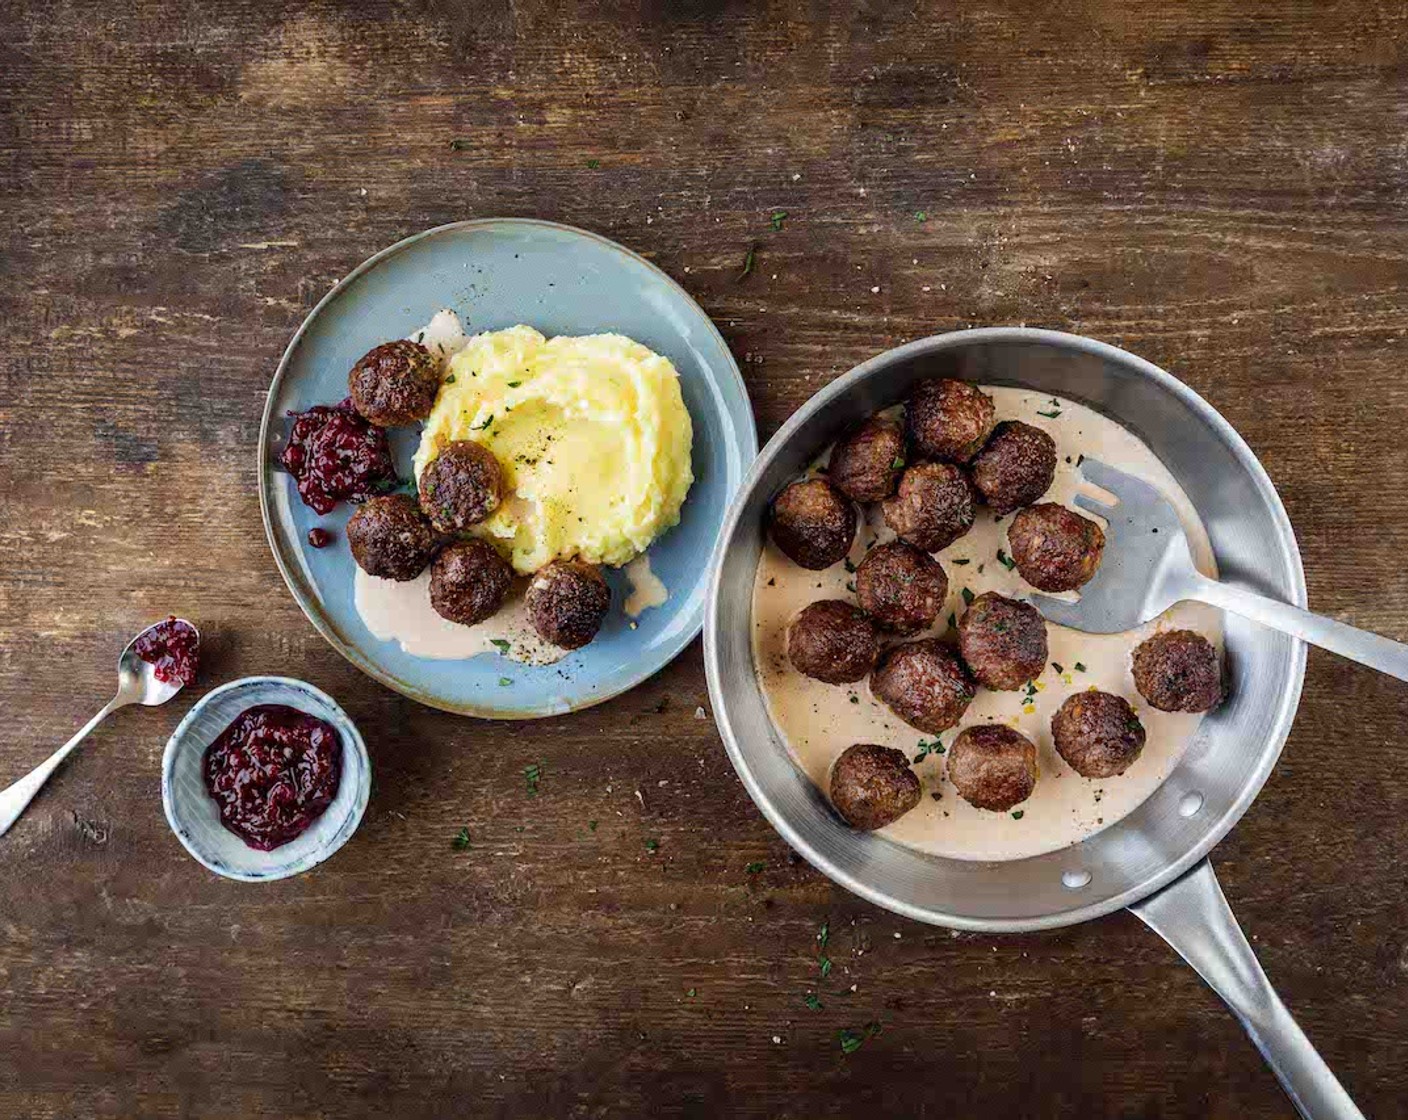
172, 649
272, 773
335, 455
319, 537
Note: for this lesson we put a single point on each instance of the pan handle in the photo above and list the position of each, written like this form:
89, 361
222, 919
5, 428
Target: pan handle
1192, 915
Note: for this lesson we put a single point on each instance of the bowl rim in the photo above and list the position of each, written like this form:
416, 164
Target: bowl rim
345, 830
745, 423
1270, 749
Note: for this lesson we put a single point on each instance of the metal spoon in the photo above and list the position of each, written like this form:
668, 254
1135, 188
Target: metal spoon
136, 684
1148, 567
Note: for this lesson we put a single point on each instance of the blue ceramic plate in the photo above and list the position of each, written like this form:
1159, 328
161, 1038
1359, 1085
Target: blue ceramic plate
496, 273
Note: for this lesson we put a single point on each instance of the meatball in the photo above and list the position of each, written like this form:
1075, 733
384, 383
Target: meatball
1016, 467
900, 587
872, 786
813, 523
1054, 548
469, 581
866, 462
567, 601
461, 486
1097, 733
1002, 641
833, 641
1176, 671
992, 766
933, 506
949, 420
394, 384
390, 537
925, 684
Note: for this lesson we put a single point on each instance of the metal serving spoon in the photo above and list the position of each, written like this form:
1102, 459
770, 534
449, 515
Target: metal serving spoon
1148, 567
136, 684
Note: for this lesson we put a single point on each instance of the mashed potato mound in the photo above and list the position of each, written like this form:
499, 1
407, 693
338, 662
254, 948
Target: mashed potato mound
592, 435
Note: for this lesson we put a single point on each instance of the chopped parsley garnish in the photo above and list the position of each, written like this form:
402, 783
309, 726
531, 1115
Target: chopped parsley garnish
692, 992
778, 217
748, 264
501, 644
811, 1001
652, 845
968, 596
855, 699
1080, 667
450, 380
1057, 666
483, 426
849, 566
461, 840
531, 774
952, 622
920, 216
591, 826
825, 963
851, 586
851, 1040
504, 682
897, 464
593, 164
514, 384
1048, 415
1005, 560
962, 560
1019, 814
824, 935
754, 867
1080, 459
458, 145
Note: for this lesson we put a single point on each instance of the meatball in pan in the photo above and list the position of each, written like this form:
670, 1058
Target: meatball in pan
865, 464
1097, 733
1003, 641
1054, 548
992, 766
872, 786
1177, 671
813, 523
833, 641
925, 684
933, 506
1016, 466
948, 420
901, 588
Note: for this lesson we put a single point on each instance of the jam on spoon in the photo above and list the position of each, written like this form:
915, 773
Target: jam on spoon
272, 773
172, 649
335, 455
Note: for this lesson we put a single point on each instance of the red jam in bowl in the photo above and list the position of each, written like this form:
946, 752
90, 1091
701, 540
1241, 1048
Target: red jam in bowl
172, 649
335, 455
272, 773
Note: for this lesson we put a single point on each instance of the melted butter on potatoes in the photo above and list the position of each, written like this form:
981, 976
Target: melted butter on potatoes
592, 435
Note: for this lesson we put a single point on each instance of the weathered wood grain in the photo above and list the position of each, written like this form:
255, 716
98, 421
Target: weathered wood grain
1221, 187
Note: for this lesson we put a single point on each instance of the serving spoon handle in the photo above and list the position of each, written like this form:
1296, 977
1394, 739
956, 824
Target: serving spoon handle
1383, 654
1192, 915
15, 798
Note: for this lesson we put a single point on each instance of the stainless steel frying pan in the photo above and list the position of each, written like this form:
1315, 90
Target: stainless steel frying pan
1154, 862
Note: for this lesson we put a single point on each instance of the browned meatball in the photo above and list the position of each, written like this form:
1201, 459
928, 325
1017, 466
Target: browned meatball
391, 538
1003, 641
461, 486
872, 786
813, 523
1097, 733
394, 384
949, 420
1054, 548
567, 601
833, 641
900, 587
992, 766
866, 461
469, 581
925, 684
1176, 671
933, 506
1016, 467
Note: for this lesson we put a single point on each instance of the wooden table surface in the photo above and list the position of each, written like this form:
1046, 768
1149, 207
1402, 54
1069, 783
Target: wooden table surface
1221, 188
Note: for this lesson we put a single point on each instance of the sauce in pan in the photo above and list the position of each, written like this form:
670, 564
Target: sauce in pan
818, 721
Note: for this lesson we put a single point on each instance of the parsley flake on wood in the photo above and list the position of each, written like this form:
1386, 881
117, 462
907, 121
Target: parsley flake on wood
754, 867
652, 845
692, 992
593, 164
825, 963
531, 774
748, 264
459, 145
591, 826
778, 217
824, 935
920, 216
811, 1001
461, 840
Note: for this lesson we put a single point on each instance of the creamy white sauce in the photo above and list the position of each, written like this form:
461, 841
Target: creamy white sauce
401, 612
647, 589
818, 721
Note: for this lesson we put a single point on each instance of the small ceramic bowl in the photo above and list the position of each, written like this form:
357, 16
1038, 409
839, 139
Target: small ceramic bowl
191, 811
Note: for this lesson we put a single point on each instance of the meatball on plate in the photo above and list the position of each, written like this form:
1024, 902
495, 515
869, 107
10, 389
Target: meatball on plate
386, 336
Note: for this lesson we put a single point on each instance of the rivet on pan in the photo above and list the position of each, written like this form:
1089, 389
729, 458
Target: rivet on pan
1075, 880
1190, 803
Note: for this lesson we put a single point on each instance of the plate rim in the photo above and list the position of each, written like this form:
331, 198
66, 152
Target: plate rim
748, 431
